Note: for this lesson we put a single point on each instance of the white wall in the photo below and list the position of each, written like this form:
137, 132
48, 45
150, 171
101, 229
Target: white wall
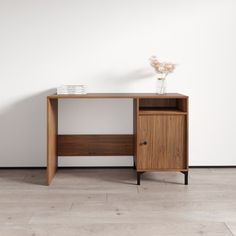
106, 45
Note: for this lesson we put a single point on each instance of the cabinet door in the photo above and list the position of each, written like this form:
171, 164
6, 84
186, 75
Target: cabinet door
161, 142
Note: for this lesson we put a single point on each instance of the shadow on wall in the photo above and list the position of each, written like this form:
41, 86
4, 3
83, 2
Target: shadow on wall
23, 124
124, 81
23, 132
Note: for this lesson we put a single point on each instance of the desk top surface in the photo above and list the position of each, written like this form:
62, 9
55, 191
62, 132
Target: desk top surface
117, 95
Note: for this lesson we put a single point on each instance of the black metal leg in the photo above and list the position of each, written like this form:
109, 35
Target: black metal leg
185, 177
139, 177
134, 166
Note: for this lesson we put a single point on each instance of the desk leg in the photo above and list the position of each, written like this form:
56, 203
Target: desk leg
139, 177
52, 113
185, 177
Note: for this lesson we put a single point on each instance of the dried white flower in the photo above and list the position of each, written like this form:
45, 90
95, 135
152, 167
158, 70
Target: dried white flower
161, 67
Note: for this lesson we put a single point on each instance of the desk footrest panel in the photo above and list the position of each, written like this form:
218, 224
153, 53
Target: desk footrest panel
95, 145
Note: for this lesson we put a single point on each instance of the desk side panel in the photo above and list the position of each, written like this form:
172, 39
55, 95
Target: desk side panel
52, 127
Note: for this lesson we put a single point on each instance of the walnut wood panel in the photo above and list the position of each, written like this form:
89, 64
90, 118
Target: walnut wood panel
165, 138
182, 104
161, 112
95, 145
160, 103
119, 95
187, 131
135, 123
162, 170
52, 113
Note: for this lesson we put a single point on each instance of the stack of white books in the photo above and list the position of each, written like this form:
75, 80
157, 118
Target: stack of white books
71, 89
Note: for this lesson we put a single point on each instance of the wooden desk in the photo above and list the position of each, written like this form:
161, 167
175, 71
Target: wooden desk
159, 141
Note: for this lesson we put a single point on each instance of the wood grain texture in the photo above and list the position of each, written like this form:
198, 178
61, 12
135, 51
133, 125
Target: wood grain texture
163, 119
165, 139
119, 95
186, 107
182, 104
95, 145
135, 128
102, 202
52, 123
152, 111
160, 103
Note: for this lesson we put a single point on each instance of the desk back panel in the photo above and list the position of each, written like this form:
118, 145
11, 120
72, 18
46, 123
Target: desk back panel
95, 145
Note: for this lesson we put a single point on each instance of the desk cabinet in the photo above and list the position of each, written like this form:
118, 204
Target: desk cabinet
161, 133
159, 141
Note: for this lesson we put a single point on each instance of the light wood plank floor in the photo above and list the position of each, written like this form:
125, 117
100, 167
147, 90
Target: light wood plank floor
104, 202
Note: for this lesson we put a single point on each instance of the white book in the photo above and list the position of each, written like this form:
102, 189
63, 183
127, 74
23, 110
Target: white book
71, 89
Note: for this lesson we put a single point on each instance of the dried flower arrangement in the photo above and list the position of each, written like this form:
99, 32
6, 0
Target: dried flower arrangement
163, 68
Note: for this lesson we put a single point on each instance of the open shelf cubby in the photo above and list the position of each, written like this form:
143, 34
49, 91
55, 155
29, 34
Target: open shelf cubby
167, 105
